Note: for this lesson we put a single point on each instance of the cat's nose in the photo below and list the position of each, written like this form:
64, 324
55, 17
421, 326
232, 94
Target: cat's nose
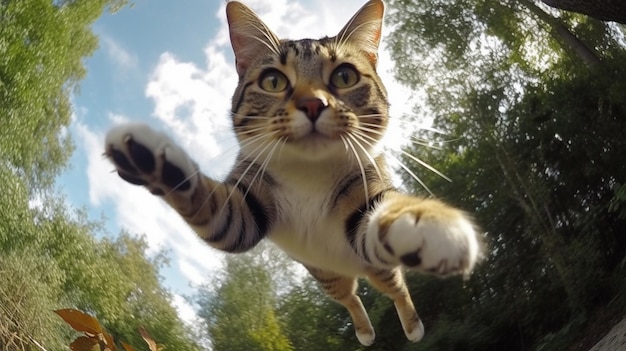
312, 107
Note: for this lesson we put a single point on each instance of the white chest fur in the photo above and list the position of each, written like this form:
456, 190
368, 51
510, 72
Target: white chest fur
308, 230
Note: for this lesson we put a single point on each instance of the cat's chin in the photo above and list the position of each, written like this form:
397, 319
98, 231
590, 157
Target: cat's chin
317, 146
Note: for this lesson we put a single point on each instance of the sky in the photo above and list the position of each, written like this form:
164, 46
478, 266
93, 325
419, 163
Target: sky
170, 64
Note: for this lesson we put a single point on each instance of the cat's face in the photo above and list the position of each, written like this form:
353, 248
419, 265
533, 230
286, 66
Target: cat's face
311, 98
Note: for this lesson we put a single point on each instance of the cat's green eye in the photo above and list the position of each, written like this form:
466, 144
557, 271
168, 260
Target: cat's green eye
344, 76
273, 81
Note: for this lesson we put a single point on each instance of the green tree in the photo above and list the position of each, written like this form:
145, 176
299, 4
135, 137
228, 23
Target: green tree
536, 161
42, 46
239, 310
49, 256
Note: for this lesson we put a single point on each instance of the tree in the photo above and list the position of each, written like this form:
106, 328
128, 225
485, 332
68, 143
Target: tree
605, 10
42, 45
536, 161
49, 256
240, 312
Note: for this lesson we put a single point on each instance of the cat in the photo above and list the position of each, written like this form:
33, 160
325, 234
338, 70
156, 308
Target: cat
309, 176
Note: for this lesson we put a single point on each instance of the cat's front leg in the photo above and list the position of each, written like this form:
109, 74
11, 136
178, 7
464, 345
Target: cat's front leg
424, 235
227, 216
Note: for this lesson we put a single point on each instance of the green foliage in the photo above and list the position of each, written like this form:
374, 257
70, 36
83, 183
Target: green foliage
42, 47
49, 257
536, 159
239, 312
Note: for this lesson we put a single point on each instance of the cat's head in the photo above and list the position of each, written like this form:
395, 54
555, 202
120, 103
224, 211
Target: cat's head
311, 98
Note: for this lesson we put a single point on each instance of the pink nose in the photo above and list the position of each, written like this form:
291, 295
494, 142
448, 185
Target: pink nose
312, 107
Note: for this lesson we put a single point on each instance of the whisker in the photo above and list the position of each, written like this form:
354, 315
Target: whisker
426, 165
262, 167
264, 147
363, 175
367, 154
371, 115
266, 33
250, 116
241, 146
422, 163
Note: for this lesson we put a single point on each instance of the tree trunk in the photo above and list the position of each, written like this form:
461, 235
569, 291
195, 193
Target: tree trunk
604, 10
563, 35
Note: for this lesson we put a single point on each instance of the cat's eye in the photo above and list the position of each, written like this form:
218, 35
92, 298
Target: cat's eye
344, 76
273, 81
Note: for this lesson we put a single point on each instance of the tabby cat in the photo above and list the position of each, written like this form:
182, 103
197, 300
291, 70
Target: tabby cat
310, 176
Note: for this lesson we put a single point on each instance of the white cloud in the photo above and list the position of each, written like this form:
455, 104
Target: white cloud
140, 212
117, 53
185, 310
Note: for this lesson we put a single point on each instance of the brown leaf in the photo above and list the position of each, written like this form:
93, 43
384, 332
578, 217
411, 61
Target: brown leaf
80, 321
127, 347
108, 339
85, 343
152, 345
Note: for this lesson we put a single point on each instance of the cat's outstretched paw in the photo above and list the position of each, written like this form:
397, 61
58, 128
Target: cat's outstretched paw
143, 156
430, 237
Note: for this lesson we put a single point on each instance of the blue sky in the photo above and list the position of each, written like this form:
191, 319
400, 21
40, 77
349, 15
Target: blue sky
169, 63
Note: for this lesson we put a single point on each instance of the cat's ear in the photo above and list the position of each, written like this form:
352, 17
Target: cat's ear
364, 29
248, 35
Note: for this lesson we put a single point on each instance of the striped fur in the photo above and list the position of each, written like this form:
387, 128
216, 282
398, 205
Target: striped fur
309, 116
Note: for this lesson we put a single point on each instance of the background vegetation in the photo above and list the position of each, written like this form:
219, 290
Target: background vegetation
532, 105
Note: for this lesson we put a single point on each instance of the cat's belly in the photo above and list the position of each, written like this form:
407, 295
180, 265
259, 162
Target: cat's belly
323, 247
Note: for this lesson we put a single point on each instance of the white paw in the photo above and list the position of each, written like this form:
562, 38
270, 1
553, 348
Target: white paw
366, 339
416, 334
434, 245
143, 156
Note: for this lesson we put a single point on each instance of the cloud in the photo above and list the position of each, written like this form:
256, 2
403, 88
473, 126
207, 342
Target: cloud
140, 212
118, 54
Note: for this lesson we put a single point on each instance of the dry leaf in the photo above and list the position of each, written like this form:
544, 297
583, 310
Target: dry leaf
85, 343
127, 347
80, 321
152, 345
108, 339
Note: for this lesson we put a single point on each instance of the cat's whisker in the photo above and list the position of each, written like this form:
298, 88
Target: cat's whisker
282, 146
359, 135
345, 144
371, 130
262, 167
406, 168
243, 131
264, 146
242, 145
362, 169
371, 115
408, 171
250, 116
274, 47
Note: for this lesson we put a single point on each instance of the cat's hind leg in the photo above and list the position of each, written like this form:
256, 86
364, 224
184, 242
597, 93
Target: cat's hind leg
391, 283
343, 290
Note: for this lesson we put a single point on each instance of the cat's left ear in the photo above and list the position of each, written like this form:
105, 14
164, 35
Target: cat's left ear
364, 29
249, 36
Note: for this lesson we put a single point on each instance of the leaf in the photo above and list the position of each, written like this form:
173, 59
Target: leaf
108, 339
85, 343
152, 345
80, 321
127, 347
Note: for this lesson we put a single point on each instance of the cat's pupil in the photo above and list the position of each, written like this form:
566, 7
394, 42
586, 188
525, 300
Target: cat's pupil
273, 81
344, 76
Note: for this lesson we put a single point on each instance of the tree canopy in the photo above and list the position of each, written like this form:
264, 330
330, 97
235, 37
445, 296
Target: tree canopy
529, 114
52, 257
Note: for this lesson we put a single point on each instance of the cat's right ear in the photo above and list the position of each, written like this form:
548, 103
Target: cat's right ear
249, 36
